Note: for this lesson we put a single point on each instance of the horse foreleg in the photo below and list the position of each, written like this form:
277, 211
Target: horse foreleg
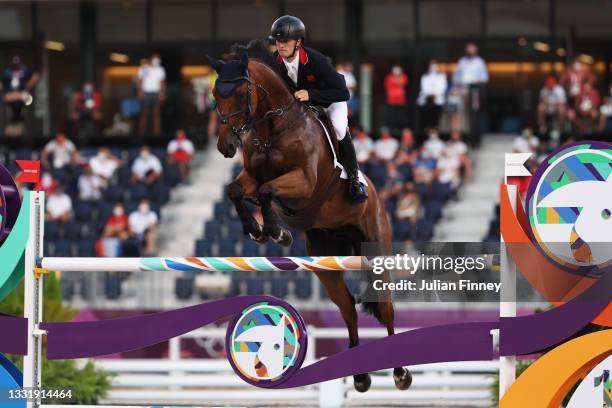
246, 186
291, 185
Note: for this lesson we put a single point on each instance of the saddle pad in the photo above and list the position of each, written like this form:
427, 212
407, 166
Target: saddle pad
337, 164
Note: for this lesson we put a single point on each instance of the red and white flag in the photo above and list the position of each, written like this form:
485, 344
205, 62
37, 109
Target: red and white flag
31, 172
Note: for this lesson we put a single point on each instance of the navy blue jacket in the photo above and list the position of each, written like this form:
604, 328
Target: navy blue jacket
316, 75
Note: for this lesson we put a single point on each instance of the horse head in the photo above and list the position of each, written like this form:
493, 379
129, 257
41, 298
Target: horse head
237, 100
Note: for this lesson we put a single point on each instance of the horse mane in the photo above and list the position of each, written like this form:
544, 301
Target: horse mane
257, 49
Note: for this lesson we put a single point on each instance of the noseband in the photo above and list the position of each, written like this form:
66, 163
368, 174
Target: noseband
250, 122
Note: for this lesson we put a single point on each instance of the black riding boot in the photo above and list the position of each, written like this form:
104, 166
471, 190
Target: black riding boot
348, 159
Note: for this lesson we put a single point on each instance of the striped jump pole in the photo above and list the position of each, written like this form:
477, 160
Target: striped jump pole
205, 264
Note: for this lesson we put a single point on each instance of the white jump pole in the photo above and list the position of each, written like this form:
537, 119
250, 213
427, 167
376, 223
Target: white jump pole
210, 264
33, 295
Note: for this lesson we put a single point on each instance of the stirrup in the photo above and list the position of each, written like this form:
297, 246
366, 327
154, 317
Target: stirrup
354, 196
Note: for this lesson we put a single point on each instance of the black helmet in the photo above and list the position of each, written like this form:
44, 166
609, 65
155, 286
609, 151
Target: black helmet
287, 28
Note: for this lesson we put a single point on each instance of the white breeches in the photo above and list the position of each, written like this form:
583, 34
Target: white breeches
338, 114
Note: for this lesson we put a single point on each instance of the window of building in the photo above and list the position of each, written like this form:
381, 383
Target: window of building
242, 20
15, 21
182, 20
450, 18
60, 22
592, 18
517, 18
388, 20
324, 19
121, 22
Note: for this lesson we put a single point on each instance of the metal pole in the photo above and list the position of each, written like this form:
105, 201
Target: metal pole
33, 298
507, 304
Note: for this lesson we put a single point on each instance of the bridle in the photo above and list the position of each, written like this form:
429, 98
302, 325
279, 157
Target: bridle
250, 123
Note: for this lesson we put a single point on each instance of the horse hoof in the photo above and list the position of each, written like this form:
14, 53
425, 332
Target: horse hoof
284, 238
260, 237
403, 381
362, 382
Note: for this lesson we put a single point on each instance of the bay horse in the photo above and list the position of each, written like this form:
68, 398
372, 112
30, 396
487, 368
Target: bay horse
289, 171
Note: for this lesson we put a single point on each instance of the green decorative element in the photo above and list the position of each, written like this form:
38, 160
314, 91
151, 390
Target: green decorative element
565, 179
220, 265
260, 264
154, 264
11, 252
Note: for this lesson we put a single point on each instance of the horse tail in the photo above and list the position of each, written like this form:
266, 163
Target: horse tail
371, 301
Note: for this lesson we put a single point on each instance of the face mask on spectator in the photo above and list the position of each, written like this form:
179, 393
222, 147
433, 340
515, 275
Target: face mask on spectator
145, 154
118, 211
46, 180
433, 68
88, 88
156, 62
396, 70
143, 208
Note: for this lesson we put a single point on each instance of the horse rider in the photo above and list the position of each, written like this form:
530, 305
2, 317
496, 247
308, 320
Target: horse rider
314, 80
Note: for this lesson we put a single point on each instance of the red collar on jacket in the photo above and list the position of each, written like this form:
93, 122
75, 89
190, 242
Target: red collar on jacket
302, 56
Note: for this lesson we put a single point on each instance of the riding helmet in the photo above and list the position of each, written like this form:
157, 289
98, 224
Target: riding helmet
287, 28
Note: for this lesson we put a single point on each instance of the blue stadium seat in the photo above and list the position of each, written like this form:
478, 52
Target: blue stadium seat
298, 248
160, 193
402, 230
234, 289
255, 285
105, 210
303, 287
406, 171
222, 210
280, 287
424, 230
378, 174
72, 230
227, 247
273, 249
203, 247
83, 211
433, 210
212, 230
52, 230
112, 285
87, 247
441, 191
123, 174
422, 190
62, 248
138, 191
250, 248
88, 230
183, 287
172, 175
160, 152
23, 154
114, 194
234, 230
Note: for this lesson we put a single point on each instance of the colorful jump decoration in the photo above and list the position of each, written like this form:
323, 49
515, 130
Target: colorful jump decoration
266, 336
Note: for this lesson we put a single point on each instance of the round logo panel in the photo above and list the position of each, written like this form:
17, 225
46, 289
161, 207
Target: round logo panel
266, 343
569, 207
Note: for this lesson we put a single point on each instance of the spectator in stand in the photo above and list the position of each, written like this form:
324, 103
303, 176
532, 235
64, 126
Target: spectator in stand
48, 183
473, 75
395, 89
18, 82
432, 95
364, 147
180, 152
143, 226
552, 106
393, 182
408, 206
433, 145
605, 114
63, 150
104, 164
87, 104
448, 175
573, 78
386, 146
424, 167
115, 236
58, 206
457, 148
90, 185
346, 69
406, 153
585, 112
151, 92
146, 168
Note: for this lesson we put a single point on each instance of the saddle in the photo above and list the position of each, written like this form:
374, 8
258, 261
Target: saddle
327, 125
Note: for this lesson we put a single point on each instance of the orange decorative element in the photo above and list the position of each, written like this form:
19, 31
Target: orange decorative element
546, 382
549, 279
329, 262
241, 263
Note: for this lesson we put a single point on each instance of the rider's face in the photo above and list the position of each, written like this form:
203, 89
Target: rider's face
286, 48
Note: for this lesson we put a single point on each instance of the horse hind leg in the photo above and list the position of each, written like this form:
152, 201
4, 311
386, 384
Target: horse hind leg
321, 243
